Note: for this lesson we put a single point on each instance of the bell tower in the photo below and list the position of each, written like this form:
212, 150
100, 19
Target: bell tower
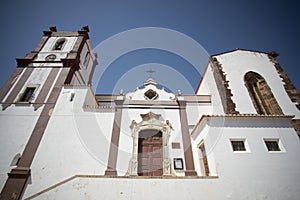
59, 58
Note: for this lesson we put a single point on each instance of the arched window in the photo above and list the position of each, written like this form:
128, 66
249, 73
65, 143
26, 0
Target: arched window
59, 44
261, 94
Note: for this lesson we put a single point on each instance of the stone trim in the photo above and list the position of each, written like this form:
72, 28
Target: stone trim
186, 140
223, 87
264, 102
251, 116
288, 84
46, 88
289, 88
17, 89
15, 187
17, 178
296, 125
10, 82
114, 144
40, 45
150, 122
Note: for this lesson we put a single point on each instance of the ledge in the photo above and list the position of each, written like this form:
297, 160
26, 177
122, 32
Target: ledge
116, 177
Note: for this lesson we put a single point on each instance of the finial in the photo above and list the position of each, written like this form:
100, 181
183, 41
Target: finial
86, 28
53, 29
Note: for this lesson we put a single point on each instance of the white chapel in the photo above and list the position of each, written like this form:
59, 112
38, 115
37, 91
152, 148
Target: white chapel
236, 138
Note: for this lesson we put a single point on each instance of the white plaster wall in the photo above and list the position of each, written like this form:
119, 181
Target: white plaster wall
196, 110
14, 85
208, 87
209, 145
256, 173
70, 41
236, 64
126, 140
167, 189
138, 94
48, 49
17, 123
75, 142
38, 77
130, 188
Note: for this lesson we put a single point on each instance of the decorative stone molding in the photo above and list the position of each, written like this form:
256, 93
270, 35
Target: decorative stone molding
223, 87
289, 88
288, 84
261, 94
150, 122
296, 125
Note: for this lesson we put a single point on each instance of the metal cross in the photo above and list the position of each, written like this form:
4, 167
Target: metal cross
150, 71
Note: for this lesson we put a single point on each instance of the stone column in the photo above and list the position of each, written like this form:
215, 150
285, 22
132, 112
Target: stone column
186, 139
114, 143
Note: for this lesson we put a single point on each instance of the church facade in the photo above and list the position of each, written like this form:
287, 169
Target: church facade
236, 138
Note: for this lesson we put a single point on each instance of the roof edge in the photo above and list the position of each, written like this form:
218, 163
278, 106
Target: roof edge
240, 49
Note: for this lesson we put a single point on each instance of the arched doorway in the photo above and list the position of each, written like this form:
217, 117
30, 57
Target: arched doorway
150, 153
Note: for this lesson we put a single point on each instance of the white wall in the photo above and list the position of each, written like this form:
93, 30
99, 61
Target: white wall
208, 87
256, 173
17, 123
237, 63
74, 142
126, 139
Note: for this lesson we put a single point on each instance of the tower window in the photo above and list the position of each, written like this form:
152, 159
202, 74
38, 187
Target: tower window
272, 145
28, 94
238, 145
59, 44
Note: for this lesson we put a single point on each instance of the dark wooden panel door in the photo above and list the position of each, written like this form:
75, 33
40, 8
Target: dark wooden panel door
150, 157
204, 159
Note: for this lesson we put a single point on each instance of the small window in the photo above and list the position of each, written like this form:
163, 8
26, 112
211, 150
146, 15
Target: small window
272, 145
59, 44
150, 94
72, 97
28, 94
238, 145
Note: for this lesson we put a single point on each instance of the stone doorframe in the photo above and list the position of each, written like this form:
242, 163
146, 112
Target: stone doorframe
150, 122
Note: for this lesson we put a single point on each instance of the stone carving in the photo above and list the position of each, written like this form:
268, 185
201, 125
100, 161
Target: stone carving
150, 121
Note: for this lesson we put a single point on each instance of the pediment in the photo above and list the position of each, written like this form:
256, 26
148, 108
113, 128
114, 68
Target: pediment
150, 115
150, 92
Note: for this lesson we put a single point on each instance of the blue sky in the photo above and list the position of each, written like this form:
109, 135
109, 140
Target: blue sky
218, 26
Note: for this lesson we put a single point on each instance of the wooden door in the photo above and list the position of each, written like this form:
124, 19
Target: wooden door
204, 159
150, 157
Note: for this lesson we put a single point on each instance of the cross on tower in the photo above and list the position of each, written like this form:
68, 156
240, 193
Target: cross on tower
150, 71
